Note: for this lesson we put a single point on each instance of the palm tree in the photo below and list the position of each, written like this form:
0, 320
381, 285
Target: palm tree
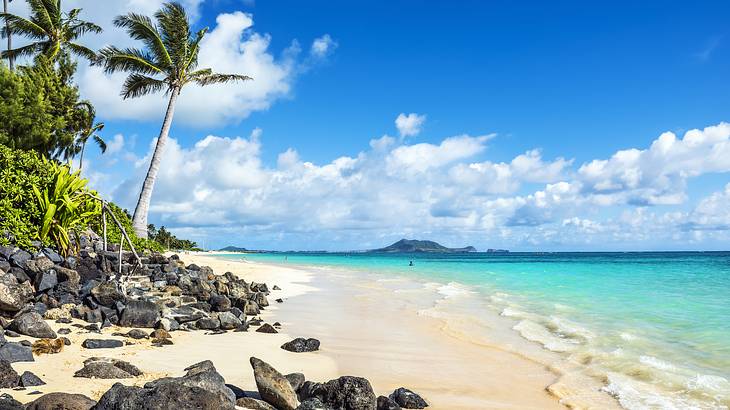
168, 62
88, 131
51, 31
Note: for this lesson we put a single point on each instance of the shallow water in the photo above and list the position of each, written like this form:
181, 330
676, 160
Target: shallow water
652, 328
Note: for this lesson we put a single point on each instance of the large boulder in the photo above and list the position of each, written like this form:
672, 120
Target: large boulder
296, 380
108, 294
347, 392
301, 344
408, 399
106, 368
219, 303
273, 387
14, 296
45, 279
140, 313
16, 352
8, 377
201, 388
32, 324
20, 259
229, 321
61, 401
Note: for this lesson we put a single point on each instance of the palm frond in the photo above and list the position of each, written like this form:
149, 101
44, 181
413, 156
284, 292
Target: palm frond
175, 31
25, 51
141, 28
42, 11
100, 142
204, 80
79, 27
194, 50
129, 59
138, 85
82, 51
16, 25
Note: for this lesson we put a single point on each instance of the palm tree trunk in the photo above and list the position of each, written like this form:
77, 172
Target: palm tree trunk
139, 221
81, 158
10, 38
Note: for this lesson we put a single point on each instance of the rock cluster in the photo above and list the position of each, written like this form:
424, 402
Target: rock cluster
160, 293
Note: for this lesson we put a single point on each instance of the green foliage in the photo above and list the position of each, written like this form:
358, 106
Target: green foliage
114, 234
167, 240
20, 213
66, 207
40, 108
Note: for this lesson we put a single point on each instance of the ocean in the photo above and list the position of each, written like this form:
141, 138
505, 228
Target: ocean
652, 327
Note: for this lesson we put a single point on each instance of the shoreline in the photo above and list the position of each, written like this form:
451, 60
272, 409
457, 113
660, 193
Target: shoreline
406, 334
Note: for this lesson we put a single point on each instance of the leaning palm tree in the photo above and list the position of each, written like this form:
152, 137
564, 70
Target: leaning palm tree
88, 131
168, 62
51, 31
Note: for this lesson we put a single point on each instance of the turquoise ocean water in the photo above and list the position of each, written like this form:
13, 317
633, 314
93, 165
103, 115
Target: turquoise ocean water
654, 328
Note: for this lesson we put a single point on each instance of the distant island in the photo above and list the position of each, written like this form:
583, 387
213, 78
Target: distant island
490, 250
411, 246
233, 249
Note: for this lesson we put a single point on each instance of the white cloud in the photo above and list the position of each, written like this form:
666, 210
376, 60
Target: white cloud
409, 125
221, 186
115, 145
323, 46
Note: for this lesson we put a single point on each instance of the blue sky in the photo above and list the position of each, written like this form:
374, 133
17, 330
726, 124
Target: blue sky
509, 104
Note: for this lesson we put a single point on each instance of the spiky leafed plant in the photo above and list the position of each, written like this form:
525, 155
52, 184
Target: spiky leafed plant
88, 131
50, 29
168, 62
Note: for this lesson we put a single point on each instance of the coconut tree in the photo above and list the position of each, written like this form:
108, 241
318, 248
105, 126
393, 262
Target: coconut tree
168, 62
89, 130
10, 37
50, 30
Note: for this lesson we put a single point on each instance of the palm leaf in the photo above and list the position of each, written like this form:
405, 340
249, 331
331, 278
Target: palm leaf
129, 59
204, 80
138, 85
175, 31
16, 25
82, 51
100, 142
141, 28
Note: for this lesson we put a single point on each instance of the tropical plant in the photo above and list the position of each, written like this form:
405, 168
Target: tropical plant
168, 62
88, 131
51, 31
66, 207
114, 234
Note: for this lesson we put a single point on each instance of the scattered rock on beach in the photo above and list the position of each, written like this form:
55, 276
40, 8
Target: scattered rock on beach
408, 399
15, 352
32, 324
28, 379
273, 387
102, 343
137, 334
347, 392
61, 401
201, 388
8, 377
106, 368
266, 328
300, 345
313, 403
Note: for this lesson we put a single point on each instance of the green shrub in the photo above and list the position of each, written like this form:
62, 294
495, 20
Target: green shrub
20, 214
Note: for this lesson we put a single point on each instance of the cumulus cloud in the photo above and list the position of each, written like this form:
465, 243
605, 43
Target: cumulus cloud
445, 190
323, 46
115, 144
409, 125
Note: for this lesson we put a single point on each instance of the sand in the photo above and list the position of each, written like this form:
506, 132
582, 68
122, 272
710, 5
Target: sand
364, 331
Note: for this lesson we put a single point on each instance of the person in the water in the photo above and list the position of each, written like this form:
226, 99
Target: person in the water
410, 263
